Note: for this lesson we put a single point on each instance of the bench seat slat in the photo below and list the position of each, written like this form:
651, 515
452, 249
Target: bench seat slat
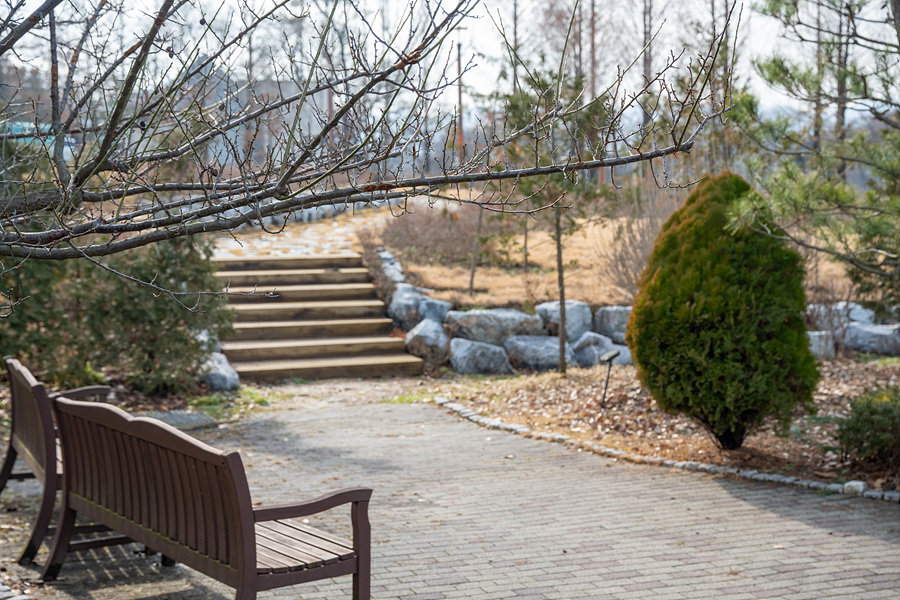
288, 544
320, 539
272, 557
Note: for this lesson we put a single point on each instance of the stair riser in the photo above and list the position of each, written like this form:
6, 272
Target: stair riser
293, 332
236, 278
329, 372
274, 312
304, 296
299, 262
359, 349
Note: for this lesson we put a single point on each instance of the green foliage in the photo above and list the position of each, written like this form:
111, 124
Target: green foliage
74, 317
717, 330
833, 178
873, 427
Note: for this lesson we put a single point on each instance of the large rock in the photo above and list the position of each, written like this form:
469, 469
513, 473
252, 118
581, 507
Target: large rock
404, 306
537, 352
390, 266
470, 358
836, 317
611, 321
428, 341
876, 339
409, 307
590, 347
578, 317
821, 344
218, 373
492, 326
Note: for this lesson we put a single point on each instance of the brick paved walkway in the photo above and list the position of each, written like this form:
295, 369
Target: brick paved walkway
464, 512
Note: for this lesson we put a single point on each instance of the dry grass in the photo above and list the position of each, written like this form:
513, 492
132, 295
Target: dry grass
440, 262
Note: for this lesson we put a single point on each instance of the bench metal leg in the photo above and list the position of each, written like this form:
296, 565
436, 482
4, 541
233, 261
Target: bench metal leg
6, 470
39, 529
60, 542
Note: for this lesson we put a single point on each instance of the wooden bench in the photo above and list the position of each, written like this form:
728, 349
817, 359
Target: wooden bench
33, 439
191, 502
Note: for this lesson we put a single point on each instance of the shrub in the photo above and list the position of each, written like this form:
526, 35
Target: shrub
717, 328
75, 317
873, 428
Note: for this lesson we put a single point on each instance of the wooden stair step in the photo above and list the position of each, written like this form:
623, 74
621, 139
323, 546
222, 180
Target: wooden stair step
261, 350
294, 276
280, 311
272, 330
281, 263
319, 368
299, 293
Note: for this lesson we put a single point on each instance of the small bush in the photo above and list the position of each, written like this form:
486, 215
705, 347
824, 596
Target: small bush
873, 428
75, 318
445, 236
717, 327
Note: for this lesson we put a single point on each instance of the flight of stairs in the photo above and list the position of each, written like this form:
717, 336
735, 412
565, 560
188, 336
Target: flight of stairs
326, 320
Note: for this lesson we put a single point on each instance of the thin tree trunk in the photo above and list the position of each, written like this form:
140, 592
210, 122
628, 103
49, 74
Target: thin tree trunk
562, 292
475, 249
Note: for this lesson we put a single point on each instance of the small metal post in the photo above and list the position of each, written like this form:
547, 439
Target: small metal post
607, 358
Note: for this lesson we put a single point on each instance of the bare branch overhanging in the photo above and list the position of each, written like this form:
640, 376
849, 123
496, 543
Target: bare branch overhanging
190, 128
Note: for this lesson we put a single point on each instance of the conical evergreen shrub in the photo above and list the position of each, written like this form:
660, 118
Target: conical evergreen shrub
716, 330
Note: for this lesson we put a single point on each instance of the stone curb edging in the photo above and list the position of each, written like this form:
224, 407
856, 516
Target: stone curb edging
850, 488
6, 593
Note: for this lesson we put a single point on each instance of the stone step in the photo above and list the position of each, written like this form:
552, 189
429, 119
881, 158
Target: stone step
282, 311
294, 276
262, 350
273, 330
283, 263
320, 368
300, 293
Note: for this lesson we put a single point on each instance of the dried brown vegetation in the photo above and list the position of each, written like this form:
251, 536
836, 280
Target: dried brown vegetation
630, 420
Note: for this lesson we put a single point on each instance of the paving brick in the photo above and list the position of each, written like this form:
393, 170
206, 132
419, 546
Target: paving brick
454, 518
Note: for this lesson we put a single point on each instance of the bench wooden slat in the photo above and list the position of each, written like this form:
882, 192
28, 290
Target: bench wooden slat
291, 545
295, 558
343, 549
271, 562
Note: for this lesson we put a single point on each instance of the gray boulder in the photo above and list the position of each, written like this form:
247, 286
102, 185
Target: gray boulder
590, 347
877, 339
469, 358
431, 308
537, 352
409, 307
578, 317
624, 357
404, 306
492, 326
838, 316
821, 344
428, 341
611, 322
390, 266
218, 373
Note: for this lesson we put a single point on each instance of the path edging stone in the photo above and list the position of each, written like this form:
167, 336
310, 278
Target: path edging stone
851, 488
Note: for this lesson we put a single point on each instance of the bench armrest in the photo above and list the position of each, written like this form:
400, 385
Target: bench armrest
312, 507
83, 392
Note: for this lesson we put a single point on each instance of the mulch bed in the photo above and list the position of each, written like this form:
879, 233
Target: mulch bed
630, 420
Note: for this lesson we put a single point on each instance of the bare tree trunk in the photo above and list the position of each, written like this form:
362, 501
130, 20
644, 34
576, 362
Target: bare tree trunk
562, 292
843, 58
818, 108
475, 248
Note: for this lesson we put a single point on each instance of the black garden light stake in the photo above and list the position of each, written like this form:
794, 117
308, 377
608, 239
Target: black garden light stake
607, 358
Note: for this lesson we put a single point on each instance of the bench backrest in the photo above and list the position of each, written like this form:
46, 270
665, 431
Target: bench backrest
32, 431
158, 486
